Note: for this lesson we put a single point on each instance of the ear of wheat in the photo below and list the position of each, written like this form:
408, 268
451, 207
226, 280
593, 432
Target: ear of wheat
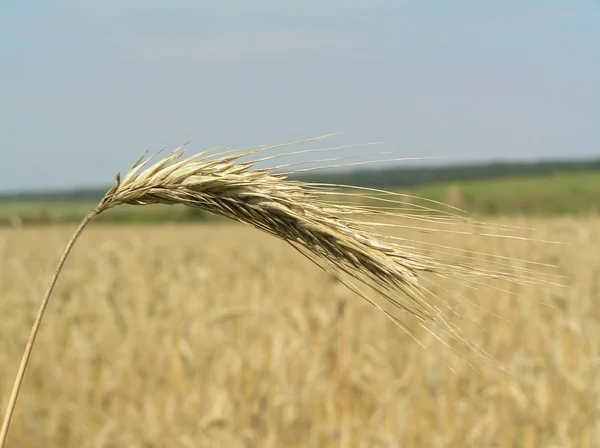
342, 237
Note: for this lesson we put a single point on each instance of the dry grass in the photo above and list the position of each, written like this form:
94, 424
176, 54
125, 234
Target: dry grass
224, 336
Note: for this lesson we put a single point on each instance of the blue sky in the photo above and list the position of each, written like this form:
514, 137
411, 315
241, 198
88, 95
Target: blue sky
87, 86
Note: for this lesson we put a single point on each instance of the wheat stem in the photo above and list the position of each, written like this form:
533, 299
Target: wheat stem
36, 325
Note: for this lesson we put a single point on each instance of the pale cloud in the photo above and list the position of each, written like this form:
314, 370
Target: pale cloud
128, 30
229, 47
221, 5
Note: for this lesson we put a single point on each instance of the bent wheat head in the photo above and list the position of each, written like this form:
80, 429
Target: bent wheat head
341, 237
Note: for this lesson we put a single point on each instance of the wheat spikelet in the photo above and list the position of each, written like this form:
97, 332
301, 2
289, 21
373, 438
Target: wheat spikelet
343, 237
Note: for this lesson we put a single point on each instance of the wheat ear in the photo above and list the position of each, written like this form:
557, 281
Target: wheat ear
327, 232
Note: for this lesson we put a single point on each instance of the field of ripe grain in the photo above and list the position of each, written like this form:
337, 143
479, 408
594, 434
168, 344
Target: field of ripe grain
221, 336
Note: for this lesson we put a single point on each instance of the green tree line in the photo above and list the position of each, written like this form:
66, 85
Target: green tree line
389, 178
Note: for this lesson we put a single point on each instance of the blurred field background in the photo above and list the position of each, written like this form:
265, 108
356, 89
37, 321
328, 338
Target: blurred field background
211, 334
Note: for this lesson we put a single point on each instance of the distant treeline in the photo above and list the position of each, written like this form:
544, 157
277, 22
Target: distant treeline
75, 194
414, 177
397, 177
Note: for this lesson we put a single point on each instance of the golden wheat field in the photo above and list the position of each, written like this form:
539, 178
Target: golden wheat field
222, 336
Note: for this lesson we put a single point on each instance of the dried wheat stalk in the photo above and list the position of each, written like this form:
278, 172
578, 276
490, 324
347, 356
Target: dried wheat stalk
341, 237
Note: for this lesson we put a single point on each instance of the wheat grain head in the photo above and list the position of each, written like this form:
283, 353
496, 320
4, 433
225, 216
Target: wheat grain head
342, 237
